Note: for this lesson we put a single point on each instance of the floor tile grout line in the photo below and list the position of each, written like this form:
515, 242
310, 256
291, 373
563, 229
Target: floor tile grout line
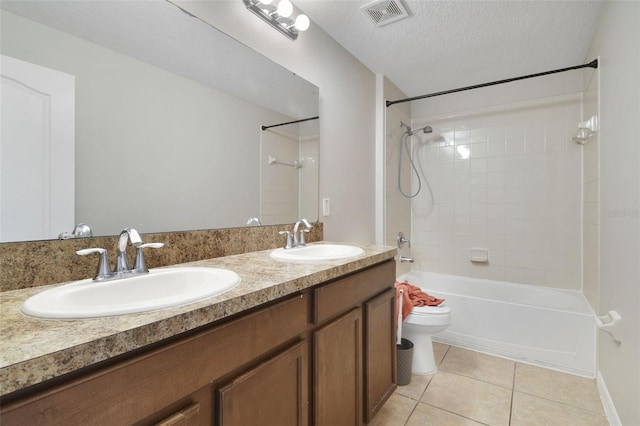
440, 408
599, 413
434, 374
513, 391
411, 413
562, 403
454, 413
418, 401
476, 379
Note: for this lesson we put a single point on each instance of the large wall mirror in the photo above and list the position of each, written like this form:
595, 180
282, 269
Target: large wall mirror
166, 122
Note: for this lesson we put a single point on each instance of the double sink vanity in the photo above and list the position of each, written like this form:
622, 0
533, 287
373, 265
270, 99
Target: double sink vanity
302, 336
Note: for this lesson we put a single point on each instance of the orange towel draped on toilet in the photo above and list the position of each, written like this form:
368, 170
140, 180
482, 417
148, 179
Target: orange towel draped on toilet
414, 296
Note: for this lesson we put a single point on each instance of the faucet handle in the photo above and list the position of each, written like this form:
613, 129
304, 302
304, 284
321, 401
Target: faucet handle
289, 243
140, 265
104, 270
402, 240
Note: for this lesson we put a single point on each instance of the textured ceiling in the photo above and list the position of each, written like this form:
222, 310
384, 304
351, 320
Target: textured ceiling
442, 44
449, 44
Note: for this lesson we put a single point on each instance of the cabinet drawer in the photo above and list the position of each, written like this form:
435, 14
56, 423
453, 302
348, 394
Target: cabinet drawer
337, 297
137, 388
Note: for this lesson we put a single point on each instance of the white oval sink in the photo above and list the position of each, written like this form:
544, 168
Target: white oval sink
160, 288
317, 252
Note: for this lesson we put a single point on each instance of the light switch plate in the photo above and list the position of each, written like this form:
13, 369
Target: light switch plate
326, 207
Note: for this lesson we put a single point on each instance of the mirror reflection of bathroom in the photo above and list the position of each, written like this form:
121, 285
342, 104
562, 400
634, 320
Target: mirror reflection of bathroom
127, 61
289, 171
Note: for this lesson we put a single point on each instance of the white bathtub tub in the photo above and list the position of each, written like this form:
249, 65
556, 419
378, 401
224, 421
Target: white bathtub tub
544, 326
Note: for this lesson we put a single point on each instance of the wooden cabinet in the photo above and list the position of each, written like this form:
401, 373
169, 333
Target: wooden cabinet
273, 393
147, 388
380, 362
354, 367
337, 371
325, 356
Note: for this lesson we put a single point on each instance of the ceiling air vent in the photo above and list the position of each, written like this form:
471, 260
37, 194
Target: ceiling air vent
383, 12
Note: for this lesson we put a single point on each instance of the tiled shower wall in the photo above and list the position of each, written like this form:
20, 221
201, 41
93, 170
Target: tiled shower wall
508, 179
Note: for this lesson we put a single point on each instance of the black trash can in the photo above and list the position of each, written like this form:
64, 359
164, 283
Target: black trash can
405, 359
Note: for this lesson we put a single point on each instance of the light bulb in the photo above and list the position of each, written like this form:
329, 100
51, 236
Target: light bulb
265, 2
285, 8
302, 23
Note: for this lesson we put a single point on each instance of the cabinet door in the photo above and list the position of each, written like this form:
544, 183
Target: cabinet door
379, 352
337, 371
273, 393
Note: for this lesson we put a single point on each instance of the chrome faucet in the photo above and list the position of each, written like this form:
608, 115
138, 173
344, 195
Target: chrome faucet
127, 234
298, 238
123, 269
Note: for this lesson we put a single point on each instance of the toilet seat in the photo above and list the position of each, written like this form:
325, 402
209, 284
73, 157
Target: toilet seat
429, 316
430, 310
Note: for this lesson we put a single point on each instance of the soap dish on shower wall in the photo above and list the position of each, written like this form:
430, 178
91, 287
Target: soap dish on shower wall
479, 255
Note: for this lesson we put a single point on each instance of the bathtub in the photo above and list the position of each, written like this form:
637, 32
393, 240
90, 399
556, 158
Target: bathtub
537, 325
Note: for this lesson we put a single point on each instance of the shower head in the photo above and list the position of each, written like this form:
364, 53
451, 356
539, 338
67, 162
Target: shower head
425, 129
409, 132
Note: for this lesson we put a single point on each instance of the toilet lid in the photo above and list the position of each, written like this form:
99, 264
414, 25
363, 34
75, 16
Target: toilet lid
431, 310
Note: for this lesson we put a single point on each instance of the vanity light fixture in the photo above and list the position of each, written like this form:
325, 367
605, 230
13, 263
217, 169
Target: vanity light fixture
279, 16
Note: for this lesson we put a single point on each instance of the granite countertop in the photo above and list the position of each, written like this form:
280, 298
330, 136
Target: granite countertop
35, 350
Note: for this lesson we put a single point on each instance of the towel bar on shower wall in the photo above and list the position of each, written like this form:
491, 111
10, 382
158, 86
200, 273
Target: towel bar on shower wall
273, 160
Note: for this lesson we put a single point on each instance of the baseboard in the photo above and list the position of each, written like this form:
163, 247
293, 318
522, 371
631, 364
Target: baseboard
607, 402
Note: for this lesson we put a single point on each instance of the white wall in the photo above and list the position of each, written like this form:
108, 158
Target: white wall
309, 179
138, 126
397, 207
347, 111
617, 44
534, 88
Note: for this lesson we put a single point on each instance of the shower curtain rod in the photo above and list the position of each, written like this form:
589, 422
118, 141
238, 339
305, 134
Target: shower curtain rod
592, 64
291, 122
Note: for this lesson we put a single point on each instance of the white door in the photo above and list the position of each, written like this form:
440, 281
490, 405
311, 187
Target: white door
37, 153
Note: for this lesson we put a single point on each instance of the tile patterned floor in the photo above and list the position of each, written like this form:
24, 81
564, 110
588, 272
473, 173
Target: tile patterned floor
472, 388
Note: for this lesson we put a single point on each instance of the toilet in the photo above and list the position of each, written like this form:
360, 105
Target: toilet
418, 327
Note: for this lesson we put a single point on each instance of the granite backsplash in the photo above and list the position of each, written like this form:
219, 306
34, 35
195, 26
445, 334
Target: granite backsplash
36, 263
